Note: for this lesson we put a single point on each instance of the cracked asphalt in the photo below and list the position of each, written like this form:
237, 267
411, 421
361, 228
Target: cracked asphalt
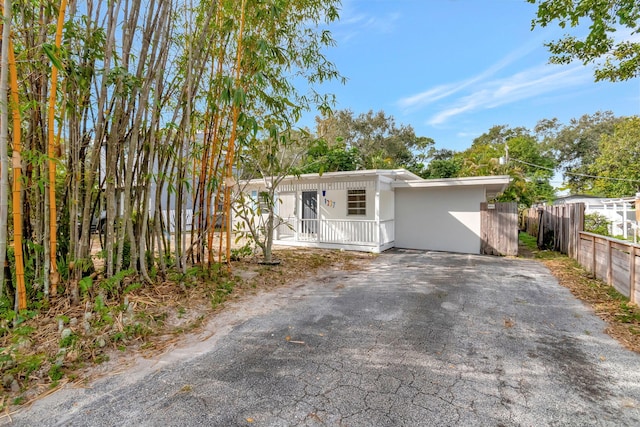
415, 339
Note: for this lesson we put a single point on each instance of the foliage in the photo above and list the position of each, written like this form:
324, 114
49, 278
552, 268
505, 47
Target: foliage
242, 252
374, 140
320, 158
597, 223
154, 106
576, 146
444, 164
529, 165
617, 55
618, 163
272, 159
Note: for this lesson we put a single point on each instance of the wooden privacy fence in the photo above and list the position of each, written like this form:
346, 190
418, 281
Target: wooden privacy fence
611, 260
556, 227
561, 228
499, 228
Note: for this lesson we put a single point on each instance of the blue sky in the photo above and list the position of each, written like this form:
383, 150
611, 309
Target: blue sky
454, 68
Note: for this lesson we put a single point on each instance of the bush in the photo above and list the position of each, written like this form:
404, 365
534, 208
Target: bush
597, 223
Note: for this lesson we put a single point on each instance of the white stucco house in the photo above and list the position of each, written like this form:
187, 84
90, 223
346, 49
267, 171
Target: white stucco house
375, 210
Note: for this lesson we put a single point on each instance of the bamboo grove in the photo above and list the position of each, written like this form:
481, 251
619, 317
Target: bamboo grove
128, 120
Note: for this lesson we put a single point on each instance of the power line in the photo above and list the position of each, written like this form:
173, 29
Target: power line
576, 173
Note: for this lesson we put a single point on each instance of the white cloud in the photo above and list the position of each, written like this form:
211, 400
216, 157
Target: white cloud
354, 22
527, 84
429, 96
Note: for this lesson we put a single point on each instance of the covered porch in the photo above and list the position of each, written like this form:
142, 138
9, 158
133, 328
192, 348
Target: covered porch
338, 210
361, 235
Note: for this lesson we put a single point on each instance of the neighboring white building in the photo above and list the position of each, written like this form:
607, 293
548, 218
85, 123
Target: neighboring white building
620, 212
374, 210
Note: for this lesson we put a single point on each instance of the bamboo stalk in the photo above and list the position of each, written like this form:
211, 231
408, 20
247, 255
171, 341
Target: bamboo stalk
51, 152
17, 177
4, 133
231, 149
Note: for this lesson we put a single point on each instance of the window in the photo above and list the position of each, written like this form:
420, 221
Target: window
356, 202
263, 201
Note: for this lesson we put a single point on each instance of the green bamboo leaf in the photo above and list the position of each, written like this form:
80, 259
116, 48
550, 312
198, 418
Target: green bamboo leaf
50, 51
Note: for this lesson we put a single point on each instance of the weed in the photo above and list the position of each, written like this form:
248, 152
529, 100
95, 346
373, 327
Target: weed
101, 358
29, 364
137, 330
23, 331
112, 285
85, 285
68, 340
103, 313
617, 296
630, 314
239, 253
222, 292
132, 287
56, 373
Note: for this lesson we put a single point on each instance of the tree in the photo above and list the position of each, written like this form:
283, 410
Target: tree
616, 60
320, 158
576, 146
272, 159
515, 152
378, 141
618, 164
444, 163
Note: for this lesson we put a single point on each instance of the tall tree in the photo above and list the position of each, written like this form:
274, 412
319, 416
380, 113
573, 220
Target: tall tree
515, 152
320, 158
444, 163
618, 164
378, 141
617, 58
576, 146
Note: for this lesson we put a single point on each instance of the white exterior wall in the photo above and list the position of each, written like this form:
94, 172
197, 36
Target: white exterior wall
441, 219
333, 204
387, 205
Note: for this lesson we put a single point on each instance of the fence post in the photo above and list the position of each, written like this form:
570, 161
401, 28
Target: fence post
609, 263
632, 274
593, 256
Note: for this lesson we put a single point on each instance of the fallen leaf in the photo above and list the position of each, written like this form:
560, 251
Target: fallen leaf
508, 323
249, 420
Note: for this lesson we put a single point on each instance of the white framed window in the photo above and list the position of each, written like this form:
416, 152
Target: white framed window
260, 199
357, 202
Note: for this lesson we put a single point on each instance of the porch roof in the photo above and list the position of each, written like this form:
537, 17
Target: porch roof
493, 184
400, 175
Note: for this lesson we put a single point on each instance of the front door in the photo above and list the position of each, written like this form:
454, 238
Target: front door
310, 212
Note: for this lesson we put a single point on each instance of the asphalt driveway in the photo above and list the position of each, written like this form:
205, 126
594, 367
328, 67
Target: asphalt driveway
417, 338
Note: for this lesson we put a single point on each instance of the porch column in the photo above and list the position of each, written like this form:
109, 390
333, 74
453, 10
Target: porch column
298, 214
